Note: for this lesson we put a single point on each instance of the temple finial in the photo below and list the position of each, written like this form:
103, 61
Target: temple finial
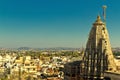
98, 19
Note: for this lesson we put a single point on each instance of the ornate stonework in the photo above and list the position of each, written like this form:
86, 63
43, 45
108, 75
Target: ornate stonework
98, 56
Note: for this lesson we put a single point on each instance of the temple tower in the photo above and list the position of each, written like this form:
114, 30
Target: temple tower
98, 56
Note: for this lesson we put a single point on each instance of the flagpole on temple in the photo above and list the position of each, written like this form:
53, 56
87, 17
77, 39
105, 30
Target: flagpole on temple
104, 13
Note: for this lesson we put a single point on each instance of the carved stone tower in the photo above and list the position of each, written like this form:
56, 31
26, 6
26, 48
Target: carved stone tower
98, 56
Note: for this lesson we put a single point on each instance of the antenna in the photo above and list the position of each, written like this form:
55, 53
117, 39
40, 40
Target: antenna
104, 12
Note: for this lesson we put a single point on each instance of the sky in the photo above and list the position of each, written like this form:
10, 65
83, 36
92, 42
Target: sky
54, 23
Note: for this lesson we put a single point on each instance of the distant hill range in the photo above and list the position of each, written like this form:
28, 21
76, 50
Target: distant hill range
116, 49
56, 48
24, 48
61, 48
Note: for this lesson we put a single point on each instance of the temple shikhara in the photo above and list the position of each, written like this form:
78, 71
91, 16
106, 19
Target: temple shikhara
98, 62
98, 56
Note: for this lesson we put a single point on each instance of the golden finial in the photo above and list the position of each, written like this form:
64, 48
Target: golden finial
98, 18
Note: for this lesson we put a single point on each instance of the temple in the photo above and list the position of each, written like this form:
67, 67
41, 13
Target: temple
98, 56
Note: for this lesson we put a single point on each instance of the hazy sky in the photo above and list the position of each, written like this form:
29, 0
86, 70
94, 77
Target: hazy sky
54, 23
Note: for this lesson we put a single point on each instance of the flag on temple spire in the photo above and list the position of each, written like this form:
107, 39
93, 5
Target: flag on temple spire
104, 12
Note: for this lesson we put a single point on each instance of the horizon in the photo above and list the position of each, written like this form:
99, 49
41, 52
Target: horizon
52, 23
49, 47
